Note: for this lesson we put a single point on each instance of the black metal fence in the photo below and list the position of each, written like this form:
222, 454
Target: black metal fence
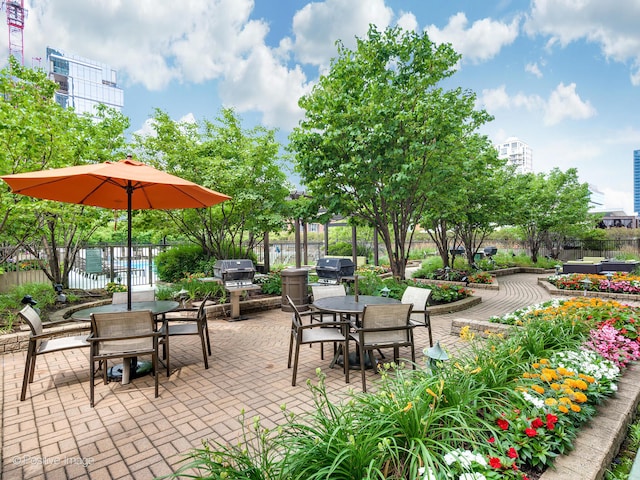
95, 266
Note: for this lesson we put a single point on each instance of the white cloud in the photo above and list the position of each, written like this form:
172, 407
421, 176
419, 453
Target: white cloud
498, 98
150, 43
534, 69
563, 103
481, 41
262, 84
318, 25
614, 27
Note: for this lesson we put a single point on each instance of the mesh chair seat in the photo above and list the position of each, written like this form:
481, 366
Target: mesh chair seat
419, 298
41, 342
124, 335
383, 326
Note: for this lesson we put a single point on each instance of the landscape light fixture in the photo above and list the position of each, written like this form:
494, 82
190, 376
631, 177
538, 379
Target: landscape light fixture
586, 283
435, 354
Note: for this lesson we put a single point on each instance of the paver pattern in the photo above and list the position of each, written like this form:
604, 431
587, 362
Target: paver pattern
55, 434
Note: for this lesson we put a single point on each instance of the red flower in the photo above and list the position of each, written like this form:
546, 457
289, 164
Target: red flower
494, 462
531, 432
551, 421
492, 440
503, 424
537, 423
512, 453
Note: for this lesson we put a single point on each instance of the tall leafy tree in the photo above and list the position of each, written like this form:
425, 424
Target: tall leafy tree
550, 207
380, 135
223, 156
36, 134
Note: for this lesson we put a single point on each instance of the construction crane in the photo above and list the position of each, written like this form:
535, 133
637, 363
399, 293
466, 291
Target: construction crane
15, 20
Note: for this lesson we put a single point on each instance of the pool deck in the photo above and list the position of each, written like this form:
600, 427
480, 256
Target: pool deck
55, 434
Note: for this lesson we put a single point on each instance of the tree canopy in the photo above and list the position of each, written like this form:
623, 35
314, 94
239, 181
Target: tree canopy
381, 139
221, 155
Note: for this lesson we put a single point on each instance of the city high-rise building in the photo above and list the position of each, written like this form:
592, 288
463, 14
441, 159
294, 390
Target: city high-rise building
517, 153
83, 83
636, 181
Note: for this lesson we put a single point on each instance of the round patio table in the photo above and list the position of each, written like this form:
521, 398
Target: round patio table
351, 305
124, 370
157, 307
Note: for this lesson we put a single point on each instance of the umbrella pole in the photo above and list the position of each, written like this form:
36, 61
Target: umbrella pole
129, 194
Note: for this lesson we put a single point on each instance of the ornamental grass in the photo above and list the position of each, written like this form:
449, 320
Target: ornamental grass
504, 408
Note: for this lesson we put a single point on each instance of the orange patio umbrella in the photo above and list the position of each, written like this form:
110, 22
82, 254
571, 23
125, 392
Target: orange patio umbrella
125, 184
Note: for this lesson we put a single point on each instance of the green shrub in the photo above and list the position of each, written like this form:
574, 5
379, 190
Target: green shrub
10, 303
271, 284
345, 249
175, 263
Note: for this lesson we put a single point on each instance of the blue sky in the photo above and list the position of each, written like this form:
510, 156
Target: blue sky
561, 75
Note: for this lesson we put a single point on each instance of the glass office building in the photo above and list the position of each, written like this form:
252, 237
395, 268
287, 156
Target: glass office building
636, 181
83, 83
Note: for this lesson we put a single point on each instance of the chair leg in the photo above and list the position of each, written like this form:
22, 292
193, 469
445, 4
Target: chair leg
290, 350
28, 367
154, 361
295, 365
363, 353
345, 359
206, 331
166, 349
204, 350
92, 378
430, 334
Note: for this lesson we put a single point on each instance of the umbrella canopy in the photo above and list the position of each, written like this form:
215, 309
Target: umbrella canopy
123, 185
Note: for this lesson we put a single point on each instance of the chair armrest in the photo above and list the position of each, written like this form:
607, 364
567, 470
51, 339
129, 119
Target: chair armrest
61, 333
92, 338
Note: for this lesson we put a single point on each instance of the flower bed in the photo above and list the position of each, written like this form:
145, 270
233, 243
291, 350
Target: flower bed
620, 282
504, 408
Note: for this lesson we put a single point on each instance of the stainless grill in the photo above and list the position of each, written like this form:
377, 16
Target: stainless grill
331, 270
235, 273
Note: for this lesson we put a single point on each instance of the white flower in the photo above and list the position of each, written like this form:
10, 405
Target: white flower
428, 475
472, 476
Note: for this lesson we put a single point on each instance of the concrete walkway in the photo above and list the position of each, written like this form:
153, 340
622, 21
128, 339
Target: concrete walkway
54, 434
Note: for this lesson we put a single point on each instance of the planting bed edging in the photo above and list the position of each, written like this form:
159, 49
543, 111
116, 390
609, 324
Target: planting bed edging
560, 292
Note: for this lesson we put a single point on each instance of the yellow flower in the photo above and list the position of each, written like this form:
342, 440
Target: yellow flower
555, 386
537, 388
566, 400
550, 402
563, 409
587, 378
579, 397
575, 408
536, 365
544, 361
408, 407
581, 384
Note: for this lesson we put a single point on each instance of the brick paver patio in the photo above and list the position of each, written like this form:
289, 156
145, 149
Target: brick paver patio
55, 434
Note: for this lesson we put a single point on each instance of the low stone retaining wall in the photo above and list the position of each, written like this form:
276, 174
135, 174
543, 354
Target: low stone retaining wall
560, 292
480, 328
17, 341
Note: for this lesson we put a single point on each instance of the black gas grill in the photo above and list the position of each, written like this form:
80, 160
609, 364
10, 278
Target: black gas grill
332, 270
235, 273
490, 251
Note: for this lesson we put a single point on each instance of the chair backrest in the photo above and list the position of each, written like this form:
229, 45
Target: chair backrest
386, 324
296, 321
323, 291
202, 313
418, 297
116, 327
32, 318
138, 296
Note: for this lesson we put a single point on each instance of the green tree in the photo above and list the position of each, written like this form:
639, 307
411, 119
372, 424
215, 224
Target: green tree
379, 134
550, 207
36, 134
225, 157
